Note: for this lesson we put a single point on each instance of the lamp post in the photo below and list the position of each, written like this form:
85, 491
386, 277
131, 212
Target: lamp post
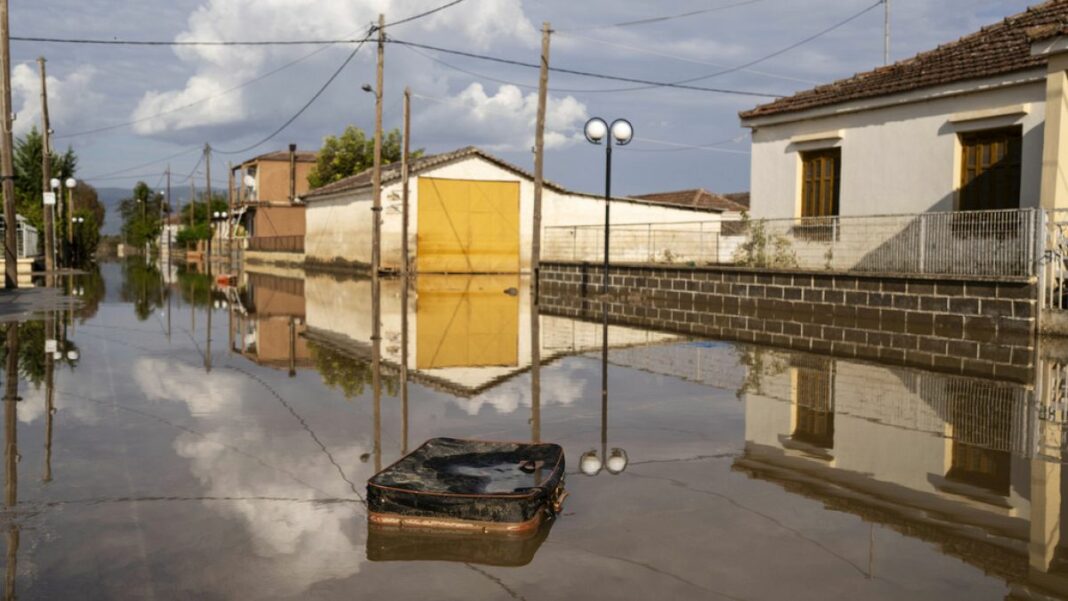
75, 221
71, 184
622, 132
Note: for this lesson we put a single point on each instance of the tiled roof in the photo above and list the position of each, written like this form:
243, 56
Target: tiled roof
1000, 48
391, 172
303, 156
741, 198
698, 198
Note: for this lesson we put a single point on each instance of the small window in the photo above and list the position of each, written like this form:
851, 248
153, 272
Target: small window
821, 176
990, 170
814, 396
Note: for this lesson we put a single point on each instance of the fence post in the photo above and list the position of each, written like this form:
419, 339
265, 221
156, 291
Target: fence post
923, 243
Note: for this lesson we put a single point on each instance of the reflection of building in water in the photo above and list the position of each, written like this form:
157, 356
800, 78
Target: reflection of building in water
269, 324
467, 333
951, 460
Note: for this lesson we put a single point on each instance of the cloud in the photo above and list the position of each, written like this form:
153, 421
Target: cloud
70, 99
562, 386
216, 69
505, 120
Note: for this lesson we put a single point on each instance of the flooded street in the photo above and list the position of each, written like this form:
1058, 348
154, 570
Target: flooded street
215, 443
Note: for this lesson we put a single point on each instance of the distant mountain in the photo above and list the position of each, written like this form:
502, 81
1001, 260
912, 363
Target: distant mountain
111, 197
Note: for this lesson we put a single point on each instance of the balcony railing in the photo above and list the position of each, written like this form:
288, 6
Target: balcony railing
286, 244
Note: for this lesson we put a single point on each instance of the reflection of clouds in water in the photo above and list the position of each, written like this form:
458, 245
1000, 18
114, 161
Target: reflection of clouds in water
313, 542
32, 406
561, 386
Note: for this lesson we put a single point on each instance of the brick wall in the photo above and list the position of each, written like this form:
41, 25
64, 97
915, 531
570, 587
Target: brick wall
972, 326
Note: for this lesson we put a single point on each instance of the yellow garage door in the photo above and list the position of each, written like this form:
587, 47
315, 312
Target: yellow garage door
466, 321
468, 226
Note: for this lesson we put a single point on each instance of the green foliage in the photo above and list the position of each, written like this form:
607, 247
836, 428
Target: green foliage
195, 287
29, 175
86, 237
90, 288
141, 215
351, 376
188, 236
353, 152
31, 350
142, 285
762, 249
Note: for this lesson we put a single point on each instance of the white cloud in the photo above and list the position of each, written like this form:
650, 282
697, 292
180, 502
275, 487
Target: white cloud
218, 68
505, 120
70, 98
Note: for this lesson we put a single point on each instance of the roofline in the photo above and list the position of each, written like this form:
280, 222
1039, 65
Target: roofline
915, 96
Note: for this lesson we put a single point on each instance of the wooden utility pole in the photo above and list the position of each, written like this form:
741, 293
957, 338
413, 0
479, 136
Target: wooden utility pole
207, 201
376, 253
46, 176
192, 201
405, 150
886, 32
376, 208
7, 163
535, 249
166, 227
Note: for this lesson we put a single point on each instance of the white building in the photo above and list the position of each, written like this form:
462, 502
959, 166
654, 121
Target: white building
976, 124
471, 212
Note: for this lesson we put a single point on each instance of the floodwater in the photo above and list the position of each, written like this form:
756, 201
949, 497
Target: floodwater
195, 442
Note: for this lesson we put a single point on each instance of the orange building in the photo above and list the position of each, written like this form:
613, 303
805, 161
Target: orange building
268, 187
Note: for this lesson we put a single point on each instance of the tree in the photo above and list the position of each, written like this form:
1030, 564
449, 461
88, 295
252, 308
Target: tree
86, 199
140, 215
202, 228
28, 175
353, 152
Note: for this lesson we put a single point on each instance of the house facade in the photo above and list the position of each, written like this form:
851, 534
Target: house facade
471, 212
267, 191
976, 124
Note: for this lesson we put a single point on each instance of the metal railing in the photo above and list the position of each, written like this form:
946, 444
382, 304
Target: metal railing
1054, 264
289, 244
635, 243
988, 243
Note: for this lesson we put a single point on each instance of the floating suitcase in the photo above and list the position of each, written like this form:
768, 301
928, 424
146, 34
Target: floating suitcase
474, 485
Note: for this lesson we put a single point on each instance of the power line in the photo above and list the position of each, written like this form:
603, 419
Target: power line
761, 59
116, 42
195, 102
424, 14
648, 83
307, 104
678, 146
649, 20
141, 165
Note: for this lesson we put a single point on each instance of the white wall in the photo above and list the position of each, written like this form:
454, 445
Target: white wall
901, 158
342, 227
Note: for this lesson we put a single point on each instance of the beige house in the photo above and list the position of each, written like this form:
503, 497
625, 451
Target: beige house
975, 124
268, 189
471, 212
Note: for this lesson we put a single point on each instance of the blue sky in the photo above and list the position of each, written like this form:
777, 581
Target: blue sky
458, 101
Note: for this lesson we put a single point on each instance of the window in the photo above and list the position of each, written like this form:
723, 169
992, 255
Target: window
821, 174
814, 407
990, 170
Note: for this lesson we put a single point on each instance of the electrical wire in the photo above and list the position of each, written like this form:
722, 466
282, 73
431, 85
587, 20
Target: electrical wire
649, 83
685, 59
761, 59
424, 14
307, 104
649, 20
195, 102
140, 165
678, 146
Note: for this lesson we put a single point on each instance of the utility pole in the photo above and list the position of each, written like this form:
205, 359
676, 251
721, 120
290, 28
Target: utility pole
207, 202
405, 149
376, 209
535, 250
7, 164
166, 227
46, 176
192, 202
376, 253
230, 204
886, 32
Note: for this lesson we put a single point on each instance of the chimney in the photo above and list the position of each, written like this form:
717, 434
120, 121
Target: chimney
292, 173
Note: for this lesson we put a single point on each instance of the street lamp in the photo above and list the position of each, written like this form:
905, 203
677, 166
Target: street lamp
622, 132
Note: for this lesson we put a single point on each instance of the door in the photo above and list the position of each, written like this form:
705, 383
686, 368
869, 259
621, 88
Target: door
467, 226
466, 321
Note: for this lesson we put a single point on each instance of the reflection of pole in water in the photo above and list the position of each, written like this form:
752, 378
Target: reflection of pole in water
404, 362
11, 397
50, 390
207, 346
292, 347
376, 366
535, 365
604, 379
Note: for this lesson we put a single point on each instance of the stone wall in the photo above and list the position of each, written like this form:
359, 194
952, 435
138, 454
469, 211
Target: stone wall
973, 326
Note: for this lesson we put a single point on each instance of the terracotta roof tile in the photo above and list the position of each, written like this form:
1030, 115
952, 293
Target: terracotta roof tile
697, 198
1000, 48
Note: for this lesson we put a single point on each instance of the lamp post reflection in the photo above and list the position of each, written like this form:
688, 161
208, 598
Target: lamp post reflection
615, 461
